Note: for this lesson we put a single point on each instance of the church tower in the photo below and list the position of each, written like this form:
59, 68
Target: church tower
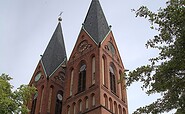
90, 81
94, 70
49, 76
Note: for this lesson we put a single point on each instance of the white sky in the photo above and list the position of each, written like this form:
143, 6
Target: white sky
26, 27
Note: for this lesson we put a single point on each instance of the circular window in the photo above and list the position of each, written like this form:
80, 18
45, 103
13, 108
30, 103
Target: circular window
111, 48
59, 96
38, 76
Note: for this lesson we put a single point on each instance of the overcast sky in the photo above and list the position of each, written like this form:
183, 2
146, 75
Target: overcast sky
26, 27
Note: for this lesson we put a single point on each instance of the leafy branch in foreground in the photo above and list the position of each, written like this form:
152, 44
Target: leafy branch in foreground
14, 102
166, 72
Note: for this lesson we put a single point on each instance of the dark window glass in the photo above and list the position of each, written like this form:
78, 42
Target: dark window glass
34, 102
112, 80
58, 106
82, 78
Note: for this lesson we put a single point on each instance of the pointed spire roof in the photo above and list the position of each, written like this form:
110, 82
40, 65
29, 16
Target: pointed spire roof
55, 53
95, 22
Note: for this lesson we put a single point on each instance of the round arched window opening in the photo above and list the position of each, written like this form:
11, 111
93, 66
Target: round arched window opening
82, 78
112, 80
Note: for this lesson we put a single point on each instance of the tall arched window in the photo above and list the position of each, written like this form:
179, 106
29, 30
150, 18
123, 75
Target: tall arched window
34, 103
103, 70
115, 110
74, 108
82, 78
58, 105
93, 70
71, 82
49, 101
68, 109
110, 104
112, 80
105, 101
42, 95
86, 103
119, 110
120, 88
93, 100
124, 111
80, 106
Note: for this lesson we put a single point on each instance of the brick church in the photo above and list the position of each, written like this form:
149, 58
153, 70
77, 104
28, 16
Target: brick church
87, 81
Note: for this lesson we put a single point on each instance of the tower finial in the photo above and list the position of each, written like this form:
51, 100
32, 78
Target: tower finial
59, 17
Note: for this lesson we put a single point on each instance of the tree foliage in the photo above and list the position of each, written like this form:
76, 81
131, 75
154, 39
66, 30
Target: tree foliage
166, 73
13, 101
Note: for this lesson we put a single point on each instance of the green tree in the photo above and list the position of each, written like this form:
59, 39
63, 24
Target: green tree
166, 73
13, 101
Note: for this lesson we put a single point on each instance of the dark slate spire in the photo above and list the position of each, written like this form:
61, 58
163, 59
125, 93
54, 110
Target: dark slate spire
95, 22
55, 53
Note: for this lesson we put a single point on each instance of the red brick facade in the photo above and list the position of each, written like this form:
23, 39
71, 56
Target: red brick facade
106, 102
46, 100
89, 82
102, 92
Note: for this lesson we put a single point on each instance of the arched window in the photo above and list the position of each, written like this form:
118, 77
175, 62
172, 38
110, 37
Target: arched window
58, 105
103, 70
34, 103
93, 70
115, 110
120, 89
82, 78
93, 100
80, 106
110, 104
42, 95
49, 101
68, 109
71, 82
105, 101
124, 111
74, 108
86, 103
112, 80
119, 110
